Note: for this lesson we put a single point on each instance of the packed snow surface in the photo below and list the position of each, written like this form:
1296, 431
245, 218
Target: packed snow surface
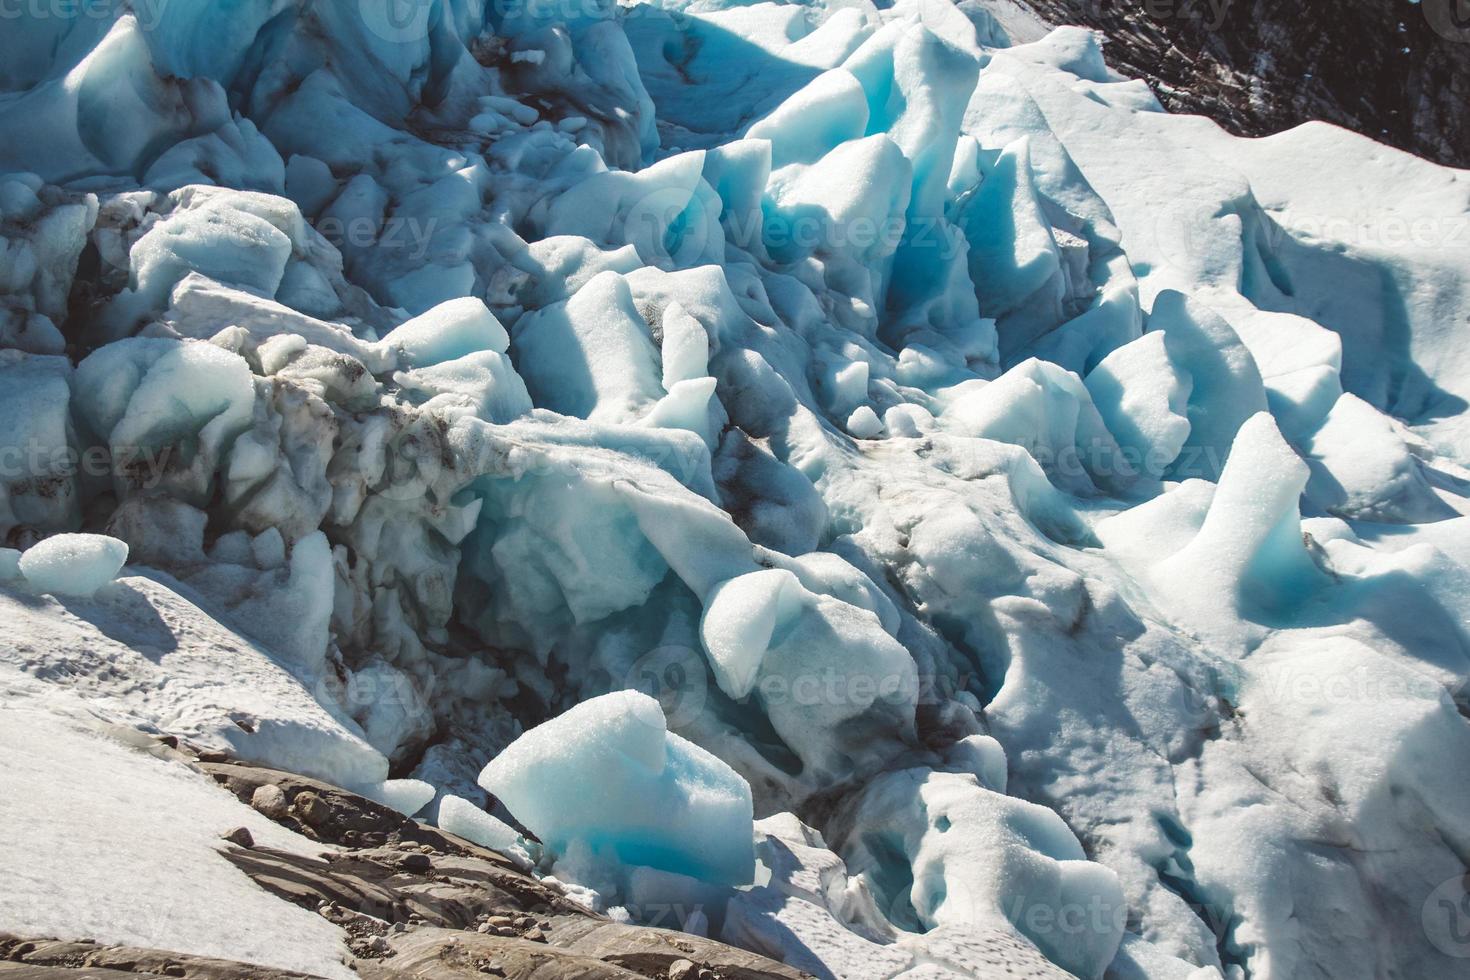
867, 473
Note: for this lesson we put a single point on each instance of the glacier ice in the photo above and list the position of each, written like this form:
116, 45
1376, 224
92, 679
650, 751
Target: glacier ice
608, 777
72, 564
1005, 497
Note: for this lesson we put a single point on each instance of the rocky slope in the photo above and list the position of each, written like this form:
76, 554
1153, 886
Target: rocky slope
1396, 71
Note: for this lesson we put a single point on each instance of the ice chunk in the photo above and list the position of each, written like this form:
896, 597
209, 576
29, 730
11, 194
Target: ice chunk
215, 239
864, 423
1226, 385
1047, 410
592, 356
741, 616
686, 406
38, 485
1012, 252
391, 709
942, 851
609, 775
461, 817
685, 347
483, 384
448, 331
1366, 466
832, 109
165, 406
1143, 399
407, 796
1249, 551
73, 564
851, 201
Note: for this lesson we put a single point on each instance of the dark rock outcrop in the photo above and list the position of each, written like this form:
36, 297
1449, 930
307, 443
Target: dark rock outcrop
1394, 71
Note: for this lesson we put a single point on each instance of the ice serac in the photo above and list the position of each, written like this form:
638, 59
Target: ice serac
609, 776
1248, 554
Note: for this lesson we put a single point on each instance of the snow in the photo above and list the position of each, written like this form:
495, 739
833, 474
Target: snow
119, 847
72, 564
932, 429
141, 653
609, 777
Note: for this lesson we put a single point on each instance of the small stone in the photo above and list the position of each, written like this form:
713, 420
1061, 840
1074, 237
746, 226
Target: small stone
683, 970
500, 921
213, 755
524, 922
313, 811
269, 800
485, 927
240, 837
508, 932
416, 863
535, 935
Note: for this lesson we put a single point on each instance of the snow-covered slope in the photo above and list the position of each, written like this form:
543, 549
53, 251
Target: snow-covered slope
1050, 507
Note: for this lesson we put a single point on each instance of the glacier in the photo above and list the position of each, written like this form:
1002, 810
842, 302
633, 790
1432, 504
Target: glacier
863, 471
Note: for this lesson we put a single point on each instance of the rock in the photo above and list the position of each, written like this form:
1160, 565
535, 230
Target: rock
654, 952
368, 821
416, 863
683, 970
240, 837
312, 810
50, 959
269, 800
438, 954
